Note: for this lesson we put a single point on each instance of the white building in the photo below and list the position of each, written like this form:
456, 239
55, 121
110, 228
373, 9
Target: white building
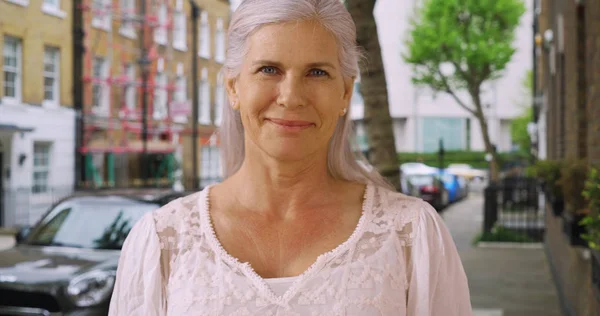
37, 152
420, 119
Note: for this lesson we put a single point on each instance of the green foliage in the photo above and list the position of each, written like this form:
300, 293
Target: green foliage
518, 128
572, 182
474, 37
474, 158
549, 172
592, 220
501, 234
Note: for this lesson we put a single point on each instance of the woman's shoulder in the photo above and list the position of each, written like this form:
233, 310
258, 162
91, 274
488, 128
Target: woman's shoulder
178, 218
401, 210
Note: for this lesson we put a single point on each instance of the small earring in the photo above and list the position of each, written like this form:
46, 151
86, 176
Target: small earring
344, 110
234, 105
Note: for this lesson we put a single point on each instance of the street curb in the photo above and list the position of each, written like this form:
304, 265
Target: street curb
6, 231
510, 245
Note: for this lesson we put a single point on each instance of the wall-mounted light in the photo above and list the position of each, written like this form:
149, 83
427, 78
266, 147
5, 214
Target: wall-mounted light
548, 38
22, 158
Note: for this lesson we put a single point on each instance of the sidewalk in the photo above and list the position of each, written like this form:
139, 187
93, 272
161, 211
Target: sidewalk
503, 282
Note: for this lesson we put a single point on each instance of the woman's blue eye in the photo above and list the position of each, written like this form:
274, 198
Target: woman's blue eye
318, 72
268, 70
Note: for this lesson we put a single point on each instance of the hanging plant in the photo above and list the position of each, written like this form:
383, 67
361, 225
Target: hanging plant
591, 222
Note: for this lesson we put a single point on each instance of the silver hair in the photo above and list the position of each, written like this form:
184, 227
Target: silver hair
344, 161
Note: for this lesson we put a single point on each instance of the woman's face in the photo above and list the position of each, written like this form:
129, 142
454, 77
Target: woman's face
290, 91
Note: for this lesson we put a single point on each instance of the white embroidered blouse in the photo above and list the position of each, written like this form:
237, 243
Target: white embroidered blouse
400, 260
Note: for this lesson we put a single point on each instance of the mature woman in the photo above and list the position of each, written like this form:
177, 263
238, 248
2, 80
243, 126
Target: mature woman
297, 227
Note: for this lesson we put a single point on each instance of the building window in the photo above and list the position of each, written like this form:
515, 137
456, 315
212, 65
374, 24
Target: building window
220, 99
204, 110
179, 29
52, 4
51, 75
41, 167
128, 15
451, 130
160, 96
101, 10
220, 41
12, 69
100, 88
210, 165
204, 40
130, 87
160, 32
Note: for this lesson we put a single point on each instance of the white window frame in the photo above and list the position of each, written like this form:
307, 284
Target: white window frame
220, 96
130, 90
127, 27
45, 168
204, 104
23, 3
53, 8
55, 59
17, 70
102, 19
160, 31
104, 94
180, 97
220, 41
204, 34
179, 27
160, 107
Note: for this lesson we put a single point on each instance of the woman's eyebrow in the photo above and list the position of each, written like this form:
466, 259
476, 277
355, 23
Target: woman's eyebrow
280, 65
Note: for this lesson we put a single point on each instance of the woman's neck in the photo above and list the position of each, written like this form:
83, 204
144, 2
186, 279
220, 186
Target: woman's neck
264, 184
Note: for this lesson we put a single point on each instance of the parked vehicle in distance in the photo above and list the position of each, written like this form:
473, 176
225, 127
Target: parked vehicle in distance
66, 265
431, 189
466, 171
452, 185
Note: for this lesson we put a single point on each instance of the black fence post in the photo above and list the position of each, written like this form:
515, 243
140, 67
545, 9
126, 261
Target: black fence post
490, 208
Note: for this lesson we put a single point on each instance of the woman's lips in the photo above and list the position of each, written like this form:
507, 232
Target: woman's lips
291, 125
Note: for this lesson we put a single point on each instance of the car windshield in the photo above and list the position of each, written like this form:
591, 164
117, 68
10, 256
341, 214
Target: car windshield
89, 224
421, 180
448, 178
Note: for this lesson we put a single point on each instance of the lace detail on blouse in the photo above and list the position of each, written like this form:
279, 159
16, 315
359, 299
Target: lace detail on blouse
400, 260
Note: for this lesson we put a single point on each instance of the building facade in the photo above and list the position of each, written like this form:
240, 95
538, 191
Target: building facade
122, 39
420, 117
568, 63
37, 131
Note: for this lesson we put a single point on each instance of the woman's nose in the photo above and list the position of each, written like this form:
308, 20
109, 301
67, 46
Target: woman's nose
291, 92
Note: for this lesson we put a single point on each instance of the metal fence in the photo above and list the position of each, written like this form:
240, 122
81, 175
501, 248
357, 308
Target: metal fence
515, 204
23, 207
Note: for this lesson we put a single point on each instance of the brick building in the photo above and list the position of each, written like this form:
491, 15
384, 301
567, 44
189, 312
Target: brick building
568, 63
115, 40
37, 120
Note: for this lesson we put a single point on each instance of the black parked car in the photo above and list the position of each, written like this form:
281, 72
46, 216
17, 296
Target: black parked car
431, 189
66, 265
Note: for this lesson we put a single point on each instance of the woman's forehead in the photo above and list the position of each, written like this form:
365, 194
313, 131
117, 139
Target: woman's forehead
304, 41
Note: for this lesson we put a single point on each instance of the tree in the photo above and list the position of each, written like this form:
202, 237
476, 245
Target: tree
457, 45
373, 88
518, 128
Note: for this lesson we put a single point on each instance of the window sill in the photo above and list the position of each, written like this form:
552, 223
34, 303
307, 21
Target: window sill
128, 32
100, 111
204, 55
11, 101
180, 47
160, 41
50, 104
101, 26
220, 59
53, 11
204, 121
23, 3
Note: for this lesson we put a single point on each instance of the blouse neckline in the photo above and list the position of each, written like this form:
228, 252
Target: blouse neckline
247, 269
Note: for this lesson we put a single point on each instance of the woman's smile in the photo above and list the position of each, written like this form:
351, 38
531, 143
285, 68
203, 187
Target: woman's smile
290, 125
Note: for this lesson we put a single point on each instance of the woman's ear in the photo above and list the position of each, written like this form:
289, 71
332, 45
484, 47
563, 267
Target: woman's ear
231, 87
348, 89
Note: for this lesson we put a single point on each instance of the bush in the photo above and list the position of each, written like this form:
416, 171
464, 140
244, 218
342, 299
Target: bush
549, 172
501, 234
592, 221
572, 182
474, 158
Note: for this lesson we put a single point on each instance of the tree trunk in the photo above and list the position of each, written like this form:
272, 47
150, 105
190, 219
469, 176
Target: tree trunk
373, 88
489, 147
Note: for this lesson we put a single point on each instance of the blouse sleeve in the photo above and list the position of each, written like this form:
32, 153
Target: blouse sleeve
139, 285
437, 280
